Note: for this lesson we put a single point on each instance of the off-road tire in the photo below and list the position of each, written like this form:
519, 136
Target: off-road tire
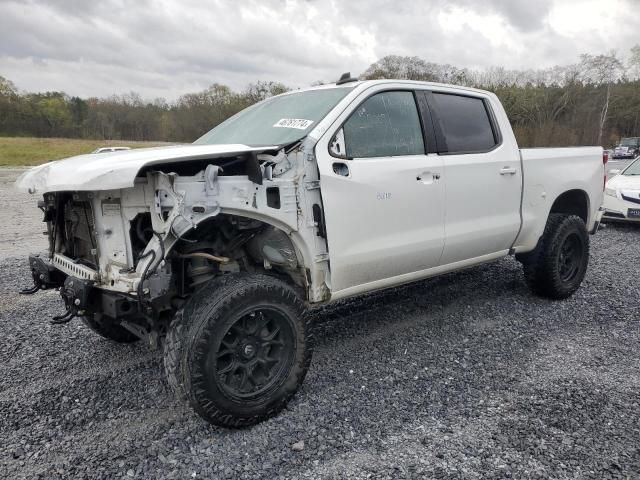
198, 329
543, 270
108, 329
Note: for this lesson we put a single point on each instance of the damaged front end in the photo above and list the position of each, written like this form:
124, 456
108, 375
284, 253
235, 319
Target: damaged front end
134, 255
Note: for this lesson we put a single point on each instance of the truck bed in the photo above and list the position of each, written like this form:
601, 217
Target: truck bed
548, 172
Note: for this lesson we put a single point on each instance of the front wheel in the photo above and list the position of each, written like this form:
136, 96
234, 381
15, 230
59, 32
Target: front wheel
558, 265
239, 349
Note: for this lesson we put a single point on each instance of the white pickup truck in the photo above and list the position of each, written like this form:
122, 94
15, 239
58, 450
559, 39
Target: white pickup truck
312, 196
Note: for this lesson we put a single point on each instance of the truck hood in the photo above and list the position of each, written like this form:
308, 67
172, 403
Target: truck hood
115, 170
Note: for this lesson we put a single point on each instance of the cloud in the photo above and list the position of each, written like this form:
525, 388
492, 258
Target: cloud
169, 47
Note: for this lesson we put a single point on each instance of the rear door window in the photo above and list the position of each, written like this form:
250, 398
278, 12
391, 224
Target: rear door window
384, 125
465, 123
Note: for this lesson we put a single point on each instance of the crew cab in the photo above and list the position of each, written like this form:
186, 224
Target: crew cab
217, 249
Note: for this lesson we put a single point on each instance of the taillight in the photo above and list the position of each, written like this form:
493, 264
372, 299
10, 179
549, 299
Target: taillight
605, 159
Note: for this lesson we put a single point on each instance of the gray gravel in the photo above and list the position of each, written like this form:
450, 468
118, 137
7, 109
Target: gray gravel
22, 229
464, 376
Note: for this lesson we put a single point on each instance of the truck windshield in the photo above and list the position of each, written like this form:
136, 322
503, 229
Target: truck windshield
276, 121
633, 169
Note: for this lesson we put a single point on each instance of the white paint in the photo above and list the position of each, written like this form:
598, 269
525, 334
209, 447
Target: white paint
110, 171
628, 185
557, 170
382, 221
471, 215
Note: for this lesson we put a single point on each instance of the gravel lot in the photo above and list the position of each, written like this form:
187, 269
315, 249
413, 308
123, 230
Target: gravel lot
464, 376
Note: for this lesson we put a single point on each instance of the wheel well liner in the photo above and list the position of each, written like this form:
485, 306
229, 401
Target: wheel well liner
268, 245
572, 202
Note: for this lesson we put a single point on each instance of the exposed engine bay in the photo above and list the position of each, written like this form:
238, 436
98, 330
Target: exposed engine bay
137, 254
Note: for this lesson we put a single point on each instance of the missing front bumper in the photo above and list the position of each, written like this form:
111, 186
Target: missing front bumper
77, 289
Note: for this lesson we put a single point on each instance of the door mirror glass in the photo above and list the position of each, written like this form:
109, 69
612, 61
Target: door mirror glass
337, 147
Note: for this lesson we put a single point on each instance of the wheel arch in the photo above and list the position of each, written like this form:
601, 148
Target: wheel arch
572, 202
297, 277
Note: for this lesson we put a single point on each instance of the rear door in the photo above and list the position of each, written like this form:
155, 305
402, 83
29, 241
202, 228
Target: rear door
384, 200
483, 177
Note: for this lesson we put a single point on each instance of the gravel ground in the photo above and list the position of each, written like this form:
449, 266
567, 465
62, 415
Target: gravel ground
23, 229
463, 376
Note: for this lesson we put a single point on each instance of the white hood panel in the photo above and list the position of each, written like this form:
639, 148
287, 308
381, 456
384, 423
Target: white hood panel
624, 181
112, 171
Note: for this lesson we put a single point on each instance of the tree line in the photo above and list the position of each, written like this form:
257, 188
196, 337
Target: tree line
592, 102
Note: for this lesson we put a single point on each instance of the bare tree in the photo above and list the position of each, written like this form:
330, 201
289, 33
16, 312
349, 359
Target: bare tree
7, 88
634, 62
602, 70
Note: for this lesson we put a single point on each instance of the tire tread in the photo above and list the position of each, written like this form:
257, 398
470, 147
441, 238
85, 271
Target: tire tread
540, 267
189, 334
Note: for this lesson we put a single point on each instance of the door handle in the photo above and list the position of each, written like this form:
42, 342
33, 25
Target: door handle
508, 171
428, 177
341, 169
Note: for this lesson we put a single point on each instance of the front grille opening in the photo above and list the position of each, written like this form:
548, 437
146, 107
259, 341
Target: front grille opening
76, 232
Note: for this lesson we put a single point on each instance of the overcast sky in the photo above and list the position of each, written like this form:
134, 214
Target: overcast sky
164, 48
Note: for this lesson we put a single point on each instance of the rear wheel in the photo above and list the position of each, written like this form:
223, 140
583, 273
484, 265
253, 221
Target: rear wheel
108, 328
239, 349
558, 265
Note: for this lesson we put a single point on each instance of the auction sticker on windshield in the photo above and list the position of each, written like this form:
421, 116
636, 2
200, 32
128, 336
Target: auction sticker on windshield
299, 123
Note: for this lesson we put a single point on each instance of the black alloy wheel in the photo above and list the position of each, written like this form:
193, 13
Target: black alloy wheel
570, 258
239, 349
556, 268
255, 353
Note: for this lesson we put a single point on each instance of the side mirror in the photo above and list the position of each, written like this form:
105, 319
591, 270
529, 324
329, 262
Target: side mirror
615, 171
337, 147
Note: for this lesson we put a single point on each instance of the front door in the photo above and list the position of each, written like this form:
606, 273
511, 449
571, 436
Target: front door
384, 202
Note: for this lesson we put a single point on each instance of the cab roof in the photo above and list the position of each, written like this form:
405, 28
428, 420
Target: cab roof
363, 84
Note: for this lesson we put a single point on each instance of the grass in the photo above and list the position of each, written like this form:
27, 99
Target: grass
27, 151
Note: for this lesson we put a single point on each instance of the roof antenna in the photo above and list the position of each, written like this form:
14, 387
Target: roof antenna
346, 78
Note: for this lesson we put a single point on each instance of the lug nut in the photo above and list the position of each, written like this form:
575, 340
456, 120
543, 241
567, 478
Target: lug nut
76, 302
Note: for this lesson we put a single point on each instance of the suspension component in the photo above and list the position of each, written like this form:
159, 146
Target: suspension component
200, 271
